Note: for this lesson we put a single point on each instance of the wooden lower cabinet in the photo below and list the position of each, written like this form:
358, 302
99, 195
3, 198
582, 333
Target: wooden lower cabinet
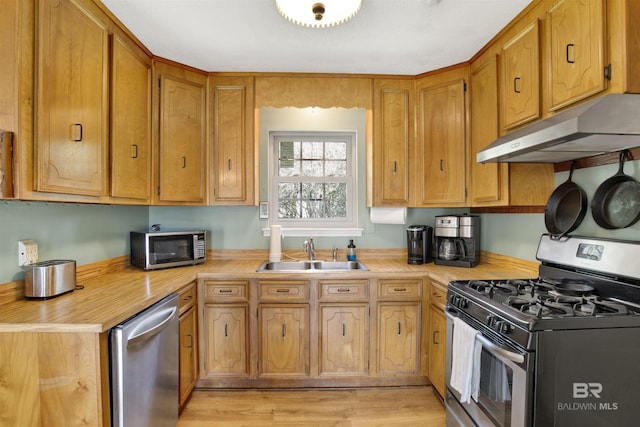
315, 332
437, 353
188, 354
284, 339
225, 352
344, 344
398, 337
437, 337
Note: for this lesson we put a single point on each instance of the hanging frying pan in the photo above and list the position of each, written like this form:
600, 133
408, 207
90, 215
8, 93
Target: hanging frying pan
616, 202
565, 208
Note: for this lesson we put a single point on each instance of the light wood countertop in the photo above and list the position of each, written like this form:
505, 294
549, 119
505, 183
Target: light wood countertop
108, 298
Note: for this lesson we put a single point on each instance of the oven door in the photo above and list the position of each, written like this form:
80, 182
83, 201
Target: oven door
505, 383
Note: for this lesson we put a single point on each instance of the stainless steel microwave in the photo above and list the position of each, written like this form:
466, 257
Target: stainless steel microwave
152, 250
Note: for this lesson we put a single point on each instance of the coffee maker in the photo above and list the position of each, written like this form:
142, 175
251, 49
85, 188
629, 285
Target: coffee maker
419, 244
457, 240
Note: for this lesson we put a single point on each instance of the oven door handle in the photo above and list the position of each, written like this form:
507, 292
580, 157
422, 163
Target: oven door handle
509, 355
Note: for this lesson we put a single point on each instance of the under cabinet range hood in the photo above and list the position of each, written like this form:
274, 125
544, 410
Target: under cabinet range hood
607, 124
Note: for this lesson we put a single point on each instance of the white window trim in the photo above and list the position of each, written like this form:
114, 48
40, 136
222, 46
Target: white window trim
305, 228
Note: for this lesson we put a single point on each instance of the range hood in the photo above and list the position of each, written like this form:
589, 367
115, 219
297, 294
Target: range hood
607, 124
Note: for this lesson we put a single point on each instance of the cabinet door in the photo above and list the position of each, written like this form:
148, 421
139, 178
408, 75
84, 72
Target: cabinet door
130, 123
393, 141
488, 181
188, 354
437, 351
182, 139
399, 338
233, 136
577, 50
225, 334
344, 334
521, 78
443, 144
72, 101
284, 339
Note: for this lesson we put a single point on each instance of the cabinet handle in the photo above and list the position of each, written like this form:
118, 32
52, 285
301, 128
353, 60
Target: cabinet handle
229, 164
344, 290
570, 59
436, 295
224, 291
190, 341
283, 291
515, 84
284, 330
344, 329
441, 165
395, 166
77, 132
226, 330
436, 337
184, 162
399, 330
399, 289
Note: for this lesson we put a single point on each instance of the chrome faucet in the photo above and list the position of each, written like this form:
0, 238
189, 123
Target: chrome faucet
310, 248
335, 254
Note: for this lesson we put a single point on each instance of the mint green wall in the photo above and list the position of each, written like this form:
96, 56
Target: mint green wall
85, 233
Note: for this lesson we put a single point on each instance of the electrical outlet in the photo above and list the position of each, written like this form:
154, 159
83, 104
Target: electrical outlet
27, 252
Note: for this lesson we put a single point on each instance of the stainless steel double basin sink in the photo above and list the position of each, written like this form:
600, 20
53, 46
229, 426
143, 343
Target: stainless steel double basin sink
311, 266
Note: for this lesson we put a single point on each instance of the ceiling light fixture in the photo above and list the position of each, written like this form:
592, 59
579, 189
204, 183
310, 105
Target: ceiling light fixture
318, 13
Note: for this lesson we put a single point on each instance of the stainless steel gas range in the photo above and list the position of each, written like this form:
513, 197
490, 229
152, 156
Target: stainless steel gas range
561, 349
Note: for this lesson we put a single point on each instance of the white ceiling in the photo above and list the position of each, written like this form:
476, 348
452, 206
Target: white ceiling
386, 37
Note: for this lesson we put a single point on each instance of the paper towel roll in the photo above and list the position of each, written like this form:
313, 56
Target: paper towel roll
275, 244
388, 215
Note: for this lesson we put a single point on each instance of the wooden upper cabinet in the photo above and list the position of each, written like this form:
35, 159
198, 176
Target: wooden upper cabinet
442, 144
181, 135
488, 181
393, 141
71, 146
232, 174
130, 123
577, 62
521, 78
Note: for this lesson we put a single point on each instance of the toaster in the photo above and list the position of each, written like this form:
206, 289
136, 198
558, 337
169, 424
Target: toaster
48, 279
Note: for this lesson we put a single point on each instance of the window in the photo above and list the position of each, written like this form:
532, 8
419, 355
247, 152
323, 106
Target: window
312, 179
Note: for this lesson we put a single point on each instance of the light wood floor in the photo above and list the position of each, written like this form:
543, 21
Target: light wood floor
380, 407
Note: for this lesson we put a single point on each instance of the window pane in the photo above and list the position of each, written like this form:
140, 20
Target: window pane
336, 150
335, 201
335, 168
312, 168
289, 168
312, 150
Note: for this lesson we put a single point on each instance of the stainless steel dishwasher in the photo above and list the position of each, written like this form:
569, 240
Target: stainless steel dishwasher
144, 367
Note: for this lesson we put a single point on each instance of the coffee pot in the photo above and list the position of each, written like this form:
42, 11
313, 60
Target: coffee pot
450, 249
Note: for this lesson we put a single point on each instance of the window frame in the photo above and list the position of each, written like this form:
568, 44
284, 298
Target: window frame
351, 220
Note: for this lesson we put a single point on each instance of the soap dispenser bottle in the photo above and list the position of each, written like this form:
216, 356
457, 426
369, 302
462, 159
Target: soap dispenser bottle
351, 251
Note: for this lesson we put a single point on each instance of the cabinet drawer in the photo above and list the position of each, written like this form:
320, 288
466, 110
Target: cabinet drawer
438, 295
284, 290
400, 289
341, 289
227, 290
187, 297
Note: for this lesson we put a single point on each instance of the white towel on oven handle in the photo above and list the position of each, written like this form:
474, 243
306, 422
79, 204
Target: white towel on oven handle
465, 361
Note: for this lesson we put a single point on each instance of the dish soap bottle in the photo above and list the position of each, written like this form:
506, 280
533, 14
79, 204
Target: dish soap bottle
351, 251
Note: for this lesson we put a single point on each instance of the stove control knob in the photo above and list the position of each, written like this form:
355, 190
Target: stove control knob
502, 327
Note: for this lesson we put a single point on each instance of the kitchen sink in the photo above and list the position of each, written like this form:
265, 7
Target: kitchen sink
312, 266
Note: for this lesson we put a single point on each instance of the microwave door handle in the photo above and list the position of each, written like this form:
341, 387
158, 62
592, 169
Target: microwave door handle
509, 355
